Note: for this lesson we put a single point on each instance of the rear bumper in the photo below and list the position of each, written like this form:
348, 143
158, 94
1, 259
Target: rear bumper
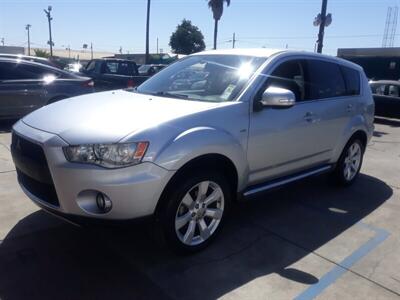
134, 191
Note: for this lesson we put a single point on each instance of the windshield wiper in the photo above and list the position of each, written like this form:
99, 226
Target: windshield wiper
172, 95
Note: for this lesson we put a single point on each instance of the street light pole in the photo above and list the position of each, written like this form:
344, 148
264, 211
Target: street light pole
147, 32
49, 18
27, 27
91, 50
322, 25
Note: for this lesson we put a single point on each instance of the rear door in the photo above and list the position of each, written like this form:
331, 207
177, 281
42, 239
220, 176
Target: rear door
334, 91
21, 90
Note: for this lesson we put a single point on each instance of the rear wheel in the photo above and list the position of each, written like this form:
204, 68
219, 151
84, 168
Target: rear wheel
350, 162
195, 211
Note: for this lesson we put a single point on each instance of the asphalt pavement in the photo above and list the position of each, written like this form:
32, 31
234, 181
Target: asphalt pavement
308, 240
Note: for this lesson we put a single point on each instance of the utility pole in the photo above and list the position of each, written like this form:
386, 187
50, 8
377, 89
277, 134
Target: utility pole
69, 51
233, 41
322, 25
2, 42
91, 50
27, 27
157, 45
147, 32
49, 18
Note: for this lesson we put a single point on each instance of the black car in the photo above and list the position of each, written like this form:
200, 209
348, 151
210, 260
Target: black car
112, 74
26, 86
387, 98
36, 59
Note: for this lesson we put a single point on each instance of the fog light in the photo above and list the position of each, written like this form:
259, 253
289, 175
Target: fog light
103, 203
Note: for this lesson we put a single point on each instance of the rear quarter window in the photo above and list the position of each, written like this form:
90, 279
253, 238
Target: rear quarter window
352, 80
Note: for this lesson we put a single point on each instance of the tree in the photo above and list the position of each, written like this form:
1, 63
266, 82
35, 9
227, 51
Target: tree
42, 53
217, 7
187, 39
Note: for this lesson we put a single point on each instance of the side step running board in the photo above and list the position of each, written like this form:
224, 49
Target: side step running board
274, 184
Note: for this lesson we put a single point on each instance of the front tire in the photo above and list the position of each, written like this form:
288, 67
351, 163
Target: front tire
195, 210
350, 162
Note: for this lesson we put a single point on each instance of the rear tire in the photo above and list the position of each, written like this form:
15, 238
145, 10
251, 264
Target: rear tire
194, 211
350, 162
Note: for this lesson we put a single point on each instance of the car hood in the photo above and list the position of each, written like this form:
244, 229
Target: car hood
109, 116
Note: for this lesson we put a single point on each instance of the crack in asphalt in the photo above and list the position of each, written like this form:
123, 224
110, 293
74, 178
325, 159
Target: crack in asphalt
8, 171
393, 186
5, 146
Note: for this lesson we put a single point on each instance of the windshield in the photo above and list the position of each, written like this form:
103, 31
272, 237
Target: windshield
214, 78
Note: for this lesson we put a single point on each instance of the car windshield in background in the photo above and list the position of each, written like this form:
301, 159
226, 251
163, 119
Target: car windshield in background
214, 78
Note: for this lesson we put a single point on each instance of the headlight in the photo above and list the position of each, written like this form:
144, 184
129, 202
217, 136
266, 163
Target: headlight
107, 155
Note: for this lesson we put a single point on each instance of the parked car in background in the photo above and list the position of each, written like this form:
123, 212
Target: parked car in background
150, 70
112, 74
36, 59
387, 97
262, 119
26, 86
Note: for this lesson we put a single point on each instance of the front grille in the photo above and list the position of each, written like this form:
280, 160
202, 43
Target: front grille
33, 170
45, 192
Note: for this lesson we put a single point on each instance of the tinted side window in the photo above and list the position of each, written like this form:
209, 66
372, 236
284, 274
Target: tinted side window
35, 72
325, 80
91, 66
110, 67
8, 71
125, 68
393, 91
289, 75
378, 89
352, 79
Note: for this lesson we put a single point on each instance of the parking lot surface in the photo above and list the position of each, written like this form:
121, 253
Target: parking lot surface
309, 240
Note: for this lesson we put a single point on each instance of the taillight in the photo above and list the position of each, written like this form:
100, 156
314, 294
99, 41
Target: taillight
130, 83
89, 83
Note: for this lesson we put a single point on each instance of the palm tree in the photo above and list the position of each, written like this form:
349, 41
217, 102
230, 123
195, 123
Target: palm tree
217, 7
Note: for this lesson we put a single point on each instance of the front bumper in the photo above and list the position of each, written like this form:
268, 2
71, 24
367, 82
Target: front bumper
134, 191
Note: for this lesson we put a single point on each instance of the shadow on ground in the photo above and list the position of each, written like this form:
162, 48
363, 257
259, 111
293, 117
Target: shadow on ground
263, 236
389, 122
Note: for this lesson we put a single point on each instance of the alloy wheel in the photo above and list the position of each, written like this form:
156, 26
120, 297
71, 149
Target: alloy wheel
352, 161
199, 213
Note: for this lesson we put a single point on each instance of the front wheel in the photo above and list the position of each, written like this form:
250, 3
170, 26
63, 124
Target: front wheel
195, 211
350, 162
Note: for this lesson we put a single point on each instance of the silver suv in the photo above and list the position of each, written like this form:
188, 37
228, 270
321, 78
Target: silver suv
186, 142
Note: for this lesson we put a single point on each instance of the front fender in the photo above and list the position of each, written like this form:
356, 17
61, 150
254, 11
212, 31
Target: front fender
200, 141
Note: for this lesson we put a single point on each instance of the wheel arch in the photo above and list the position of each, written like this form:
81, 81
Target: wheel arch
214, 161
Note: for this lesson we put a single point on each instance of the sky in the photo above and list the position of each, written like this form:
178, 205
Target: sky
111, 24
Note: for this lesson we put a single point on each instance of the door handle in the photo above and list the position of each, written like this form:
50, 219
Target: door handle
350, 108
309, 117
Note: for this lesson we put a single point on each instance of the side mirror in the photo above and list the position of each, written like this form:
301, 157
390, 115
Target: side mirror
278, 97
